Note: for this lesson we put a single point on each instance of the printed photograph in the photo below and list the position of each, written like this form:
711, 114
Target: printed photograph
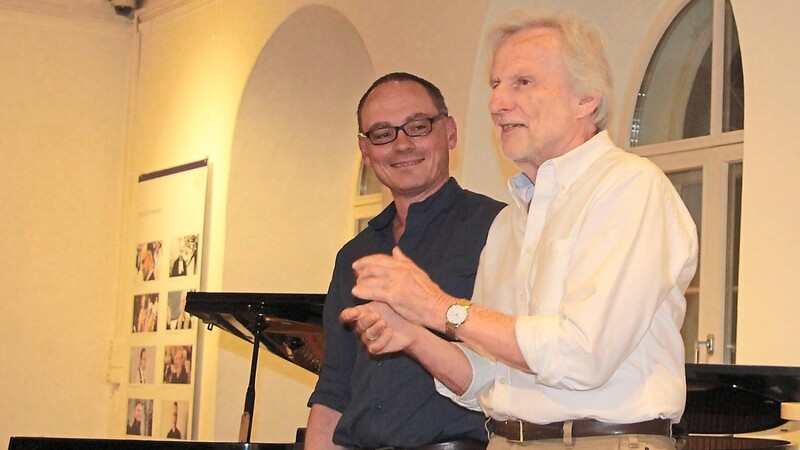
174, 419
148, 257
143, 365
177, 317
183, 256
145, 313
177, 364
140, 417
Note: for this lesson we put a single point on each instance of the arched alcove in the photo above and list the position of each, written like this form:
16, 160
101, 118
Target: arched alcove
289, 197
296, 124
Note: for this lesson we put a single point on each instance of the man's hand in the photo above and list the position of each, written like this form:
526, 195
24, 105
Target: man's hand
379, 328
384, 331
398, 282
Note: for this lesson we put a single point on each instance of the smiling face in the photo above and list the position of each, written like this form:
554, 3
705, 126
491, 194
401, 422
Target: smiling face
538, 115
411, 167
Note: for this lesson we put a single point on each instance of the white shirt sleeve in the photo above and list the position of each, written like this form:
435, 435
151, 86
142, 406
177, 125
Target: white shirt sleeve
482, 377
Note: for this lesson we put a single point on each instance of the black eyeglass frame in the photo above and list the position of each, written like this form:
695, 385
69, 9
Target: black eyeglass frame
431, 120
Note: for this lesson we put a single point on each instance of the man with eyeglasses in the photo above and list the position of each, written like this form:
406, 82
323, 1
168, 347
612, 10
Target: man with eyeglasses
406, 136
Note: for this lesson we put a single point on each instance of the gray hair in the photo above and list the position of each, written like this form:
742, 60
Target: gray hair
584, 54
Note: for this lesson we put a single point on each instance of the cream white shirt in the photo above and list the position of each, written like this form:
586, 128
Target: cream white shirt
596, 270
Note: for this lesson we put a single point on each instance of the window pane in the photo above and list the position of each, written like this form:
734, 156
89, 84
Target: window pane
362, 224
689, 184
675, 97
697, 113
733, 85
732, 259
368, 183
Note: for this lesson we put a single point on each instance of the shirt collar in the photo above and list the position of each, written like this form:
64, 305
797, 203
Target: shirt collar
435, 202
521, 189
567, 168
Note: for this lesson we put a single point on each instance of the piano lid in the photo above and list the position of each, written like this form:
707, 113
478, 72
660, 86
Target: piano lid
732, 399
291, 324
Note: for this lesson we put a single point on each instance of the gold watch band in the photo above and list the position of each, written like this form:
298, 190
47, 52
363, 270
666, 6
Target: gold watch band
450, 330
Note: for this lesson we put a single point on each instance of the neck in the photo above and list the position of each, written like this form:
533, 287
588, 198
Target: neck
529, 168
399, 223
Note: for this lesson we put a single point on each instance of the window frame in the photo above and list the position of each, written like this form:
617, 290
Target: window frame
714, 154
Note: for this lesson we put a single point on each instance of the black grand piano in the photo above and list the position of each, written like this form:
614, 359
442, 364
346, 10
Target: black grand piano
728, 407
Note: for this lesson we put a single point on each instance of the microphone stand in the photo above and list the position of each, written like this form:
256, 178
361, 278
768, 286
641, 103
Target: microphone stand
246, 424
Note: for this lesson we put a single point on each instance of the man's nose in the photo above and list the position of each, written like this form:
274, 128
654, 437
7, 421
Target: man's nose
403, 141
499, 101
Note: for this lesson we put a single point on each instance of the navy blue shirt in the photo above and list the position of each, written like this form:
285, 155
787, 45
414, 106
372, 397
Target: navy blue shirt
390, 400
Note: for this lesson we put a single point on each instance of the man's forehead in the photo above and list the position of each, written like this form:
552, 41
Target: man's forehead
525, 51
539, 35
397, 98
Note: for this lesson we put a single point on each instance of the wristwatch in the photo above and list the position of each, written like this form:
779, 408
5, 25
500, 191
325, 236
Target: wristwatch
455, 316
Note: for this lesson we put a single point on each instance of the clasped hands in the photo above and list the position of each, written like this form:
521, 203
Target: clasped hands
401, 300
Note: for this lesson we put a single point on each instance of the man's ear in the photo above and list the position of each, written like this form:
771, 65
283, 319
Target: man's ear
587, 105
362, 145
452, 132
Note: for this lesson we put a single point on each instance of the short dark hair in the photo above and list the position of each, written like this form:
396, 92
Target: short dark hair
433, 91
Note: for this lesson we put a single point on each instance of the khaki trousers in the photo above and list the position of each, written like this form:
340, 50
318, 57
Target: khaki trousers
621, 442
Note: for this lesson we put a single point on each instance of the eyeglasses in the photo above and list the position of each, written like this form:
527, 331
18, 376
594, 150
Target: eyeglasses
413, 128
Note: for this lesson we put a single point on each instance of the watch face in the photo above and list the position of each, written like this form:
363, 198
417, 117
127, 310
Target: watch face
456, 314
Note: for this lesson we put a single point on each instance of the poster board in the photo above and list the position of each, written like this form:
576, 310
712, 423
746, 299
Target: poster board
170, 215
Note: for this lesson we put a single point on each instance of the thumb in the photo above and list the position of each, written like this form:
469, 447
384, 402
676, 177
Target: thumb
399, 255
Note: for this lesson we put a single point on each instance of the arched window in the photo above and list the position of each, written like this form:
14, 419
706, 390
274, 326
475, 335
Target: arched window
693, 85
688, 119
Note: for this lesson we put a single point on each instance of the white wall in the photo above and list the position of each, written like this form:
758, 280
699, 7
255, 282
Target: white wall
63, 96
769, 283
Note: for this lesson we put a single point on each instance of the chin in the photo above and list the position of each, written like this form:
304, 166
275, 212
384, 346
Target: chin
512, 154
